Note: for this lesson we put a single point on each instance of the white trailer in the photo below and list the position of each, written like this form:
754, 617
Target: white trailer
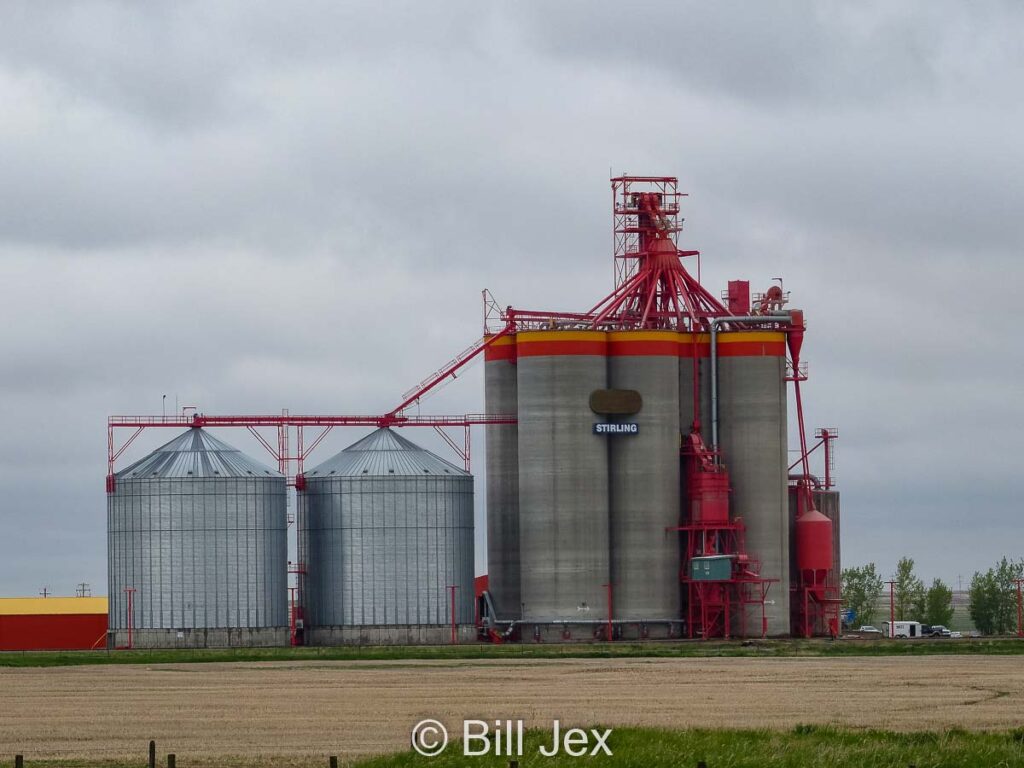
901, 629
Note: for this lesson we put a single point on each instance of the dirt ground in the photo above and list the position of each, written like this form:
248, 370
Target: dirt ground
203, 711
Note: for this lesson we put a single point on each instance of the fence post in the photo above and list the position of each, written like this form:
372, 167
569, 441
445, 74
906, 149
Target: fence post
334, 761
513, 764
152, 754
701, 764
170, 761
19, 761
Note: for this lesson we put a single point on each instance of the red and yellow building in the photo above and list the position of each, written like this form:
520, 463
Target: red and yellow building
52, 623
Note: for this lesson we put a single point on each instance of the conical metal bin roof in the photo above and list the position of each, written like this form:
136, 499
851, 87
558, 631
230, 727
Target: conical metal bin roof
196, 453
383, 453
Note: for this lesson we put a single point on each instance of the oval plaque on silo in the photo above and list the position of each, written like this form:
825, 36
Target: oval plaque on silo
615, 402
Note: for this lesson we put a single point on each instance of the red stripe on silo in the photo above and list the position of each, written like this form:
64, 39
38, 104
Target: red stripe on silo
502, 352
752, 349
643, 348
773, 345
540, 344
501, 349
556, 348
703, 349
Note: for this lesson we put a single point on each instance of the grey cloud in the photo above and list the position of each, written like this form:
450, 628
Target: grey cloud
255, 210
781, 55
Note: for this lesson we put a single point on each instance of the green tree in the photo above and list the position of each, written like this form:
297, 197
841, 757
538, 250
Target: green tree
909, 592
994, 598
938, 604
861, 589
984, 596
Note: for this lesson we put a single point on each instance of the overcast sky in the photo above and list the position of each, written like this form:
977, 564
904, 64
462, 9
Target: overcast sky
252, 208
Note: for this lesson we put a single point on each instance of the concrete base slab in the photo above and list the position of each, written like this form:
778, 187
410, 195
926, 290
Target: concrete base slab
406, 634
230, 637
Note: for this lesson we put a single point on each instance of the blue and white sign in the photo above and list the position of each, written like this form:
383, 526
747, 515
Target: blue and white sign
616, 429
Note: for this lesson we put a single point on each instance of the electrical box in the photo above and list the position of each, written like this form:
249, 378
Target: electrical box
711, 568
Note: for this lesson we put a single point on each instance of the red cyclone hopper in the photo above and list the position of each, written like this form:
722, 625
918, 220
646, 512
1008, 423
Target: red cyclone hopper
795, 337
813, 546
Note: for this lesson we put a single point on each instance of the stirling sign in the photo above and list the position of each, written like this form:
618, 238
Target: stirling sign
616, 429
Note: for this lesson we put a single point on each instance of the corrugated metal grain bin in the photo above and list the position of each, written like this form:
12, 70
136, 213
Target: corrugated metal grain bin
199, 531
387, 528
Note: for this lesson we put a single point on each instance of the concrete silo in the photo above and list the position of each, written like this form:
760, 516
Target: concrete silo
197, 541
644, 506
563, 483
752, 431
501, 396
387, 530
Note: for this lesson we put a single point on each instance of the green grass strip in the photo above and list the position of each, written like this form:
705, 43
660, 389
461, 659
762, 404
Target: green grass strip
668, 650
803, 747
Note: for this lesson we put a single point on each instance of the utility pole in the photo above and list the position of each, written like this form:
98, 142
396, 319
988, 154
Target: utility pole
45, 591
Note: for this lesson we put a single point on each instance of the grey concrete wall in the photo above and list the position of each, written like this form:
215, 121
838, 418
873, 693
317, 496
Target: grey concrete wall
501, 396
563, 487
753, 439
645, 490
585, 633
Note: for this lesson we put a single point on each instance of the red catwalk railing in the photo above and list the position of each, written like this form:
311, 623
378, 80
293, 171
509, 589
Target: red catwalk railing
289, 464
